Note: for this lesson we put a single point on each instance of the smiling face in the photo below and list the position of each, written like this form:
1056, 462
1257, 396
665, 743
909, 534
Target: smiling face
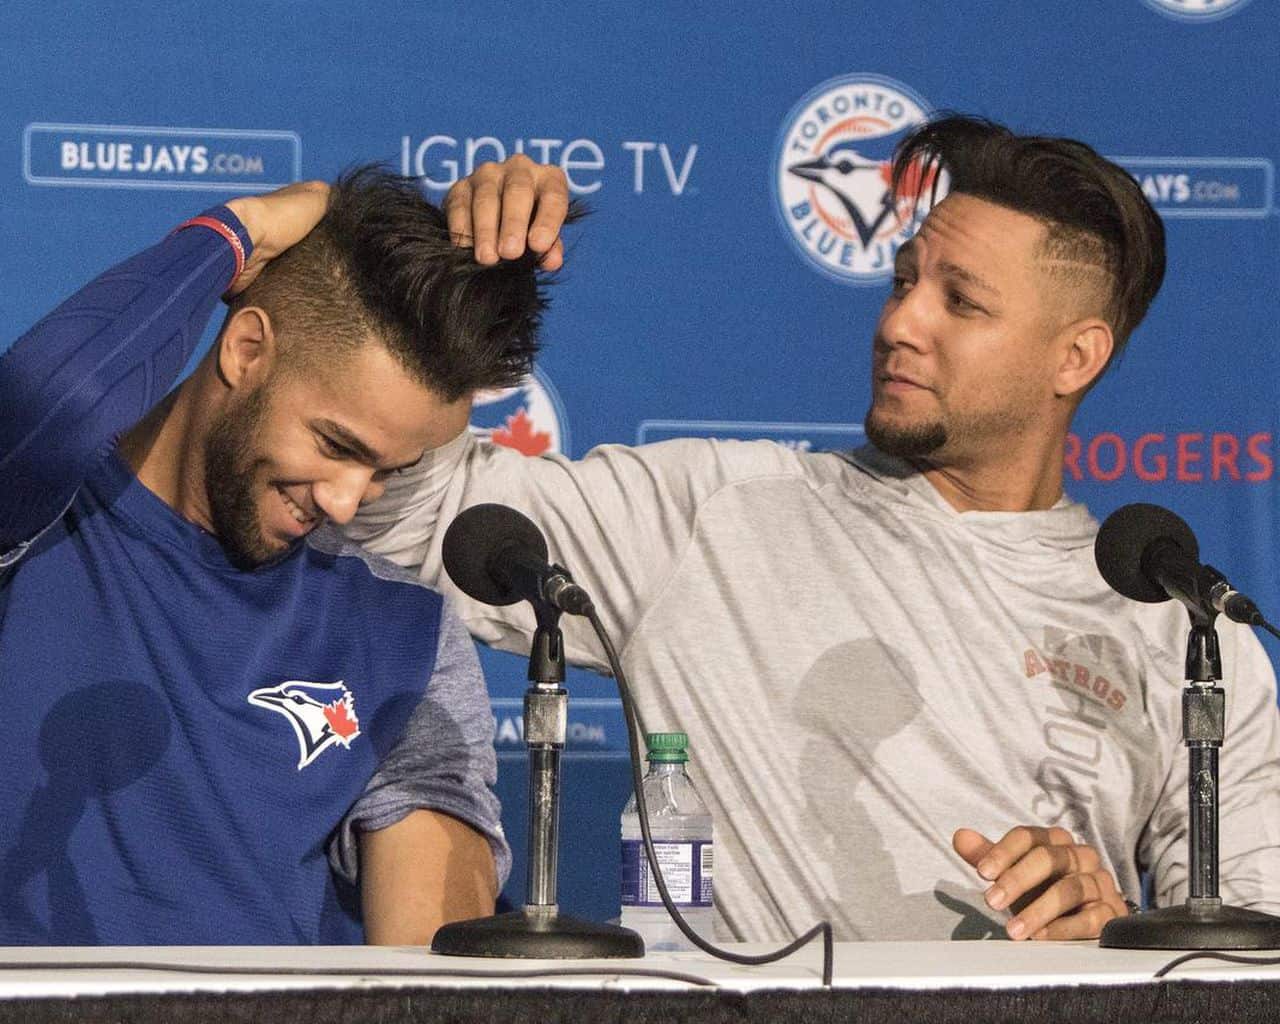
308, 445
970, 346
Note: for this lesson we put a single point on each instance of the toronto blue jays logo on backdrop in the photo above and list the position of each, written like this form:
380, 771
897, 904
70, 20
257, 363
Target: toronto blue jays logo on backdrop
529, 417
832, 176
321, 714
1196, 10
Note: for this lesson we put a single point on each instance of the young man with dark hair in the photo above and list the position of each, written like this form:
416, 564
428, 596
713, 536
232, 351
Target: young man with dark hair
918, 710
224, 723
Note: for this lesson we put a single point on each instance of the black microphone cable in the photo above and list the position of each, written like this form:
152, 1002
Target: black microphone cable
822, 929
1210, 954
1268, 627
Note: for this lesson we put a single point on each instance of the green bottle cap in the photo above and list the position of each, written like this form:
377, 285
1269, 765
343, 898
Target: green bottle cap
667, 746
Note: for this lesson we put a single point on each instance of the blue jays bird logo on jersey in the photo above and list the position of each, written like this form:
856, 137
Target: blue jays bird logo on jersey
321, 714
833, 176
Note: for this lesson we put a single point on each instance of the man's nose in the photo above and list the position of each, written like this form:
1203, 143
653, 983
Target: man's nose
906, 321
341, 494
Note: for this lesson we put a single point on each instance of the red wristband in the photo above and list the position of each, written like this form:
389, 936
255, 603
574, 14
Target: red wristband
232, 239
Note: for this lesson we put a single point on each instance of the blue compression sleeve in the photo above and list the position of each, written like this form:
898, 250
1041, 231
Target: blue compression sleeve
96, 364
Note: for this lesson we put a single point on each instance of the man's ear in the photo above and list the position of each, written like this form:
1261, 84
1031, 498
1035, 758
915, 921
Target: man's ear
1084, 350
246, 348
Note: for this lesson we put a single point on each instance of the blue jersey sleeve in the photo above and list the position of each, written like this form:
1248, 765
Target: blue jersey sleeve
96, 364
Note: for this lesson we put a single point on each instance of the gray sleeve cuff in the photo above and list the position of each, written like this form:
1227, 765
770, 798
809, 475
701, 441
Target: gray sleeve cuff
445, 761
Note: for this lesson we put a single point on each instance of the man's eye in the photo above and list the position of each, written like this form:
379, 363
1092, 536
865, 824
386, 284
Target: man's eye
961, 303
900, 284
335, 450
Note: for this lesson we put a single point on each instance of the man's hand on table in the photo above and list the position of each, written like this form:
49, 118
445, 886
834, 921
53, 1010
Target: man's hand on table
501, 209
1056, 888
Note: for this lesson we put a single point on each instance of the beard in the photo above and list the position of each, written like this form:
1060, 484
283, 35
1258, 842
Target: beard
906, 441
230, 461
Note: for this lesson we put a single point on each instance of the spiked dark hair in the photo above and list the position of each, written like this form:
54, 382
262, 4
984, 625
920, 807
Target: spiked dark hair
380, 264
1095, 213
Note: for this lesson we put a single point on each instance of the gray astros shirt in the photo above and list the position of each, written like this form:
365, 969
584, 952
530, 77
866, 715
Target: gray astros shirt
861, 670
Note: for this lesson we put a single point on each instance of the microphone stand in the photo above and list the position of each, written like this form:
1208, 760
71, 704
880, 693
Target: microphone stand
1203, 922
540, 931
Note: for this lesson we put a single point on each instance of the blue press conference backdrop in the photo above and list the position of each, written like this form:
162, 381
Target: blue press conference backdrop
716, 289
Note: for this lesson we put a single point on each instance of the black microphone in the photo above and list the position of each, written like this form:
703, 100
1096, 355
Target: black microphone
496, 555
1147, 553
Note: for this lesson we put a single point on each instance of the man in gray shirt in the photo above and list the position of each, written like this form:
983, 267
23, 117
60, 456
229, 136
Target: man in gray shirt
919, 710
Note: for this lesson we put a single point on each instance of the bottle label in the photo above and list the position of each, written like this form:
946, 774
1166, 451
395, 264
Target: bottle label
687, 868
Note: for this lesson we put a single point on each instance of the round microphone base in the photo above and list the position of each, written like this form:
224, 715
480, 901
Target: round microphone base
1193, 928
537, 934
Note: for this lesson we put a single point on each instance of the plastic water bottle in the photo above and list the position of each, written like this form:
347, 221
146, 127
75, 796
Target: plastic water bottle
680, 825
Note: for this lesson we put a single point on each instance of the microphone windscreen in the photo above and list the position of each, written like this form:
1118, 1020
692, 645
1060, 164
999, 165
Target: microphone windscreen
1124, 538
473, 540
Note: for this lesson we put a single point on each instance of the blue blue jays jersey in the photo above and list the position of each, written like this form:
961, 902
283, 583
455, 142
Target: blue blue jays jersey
189, 749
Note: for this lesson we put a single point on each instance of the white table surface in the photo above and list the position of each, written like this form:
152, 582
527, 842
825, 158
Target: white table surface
27, 972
